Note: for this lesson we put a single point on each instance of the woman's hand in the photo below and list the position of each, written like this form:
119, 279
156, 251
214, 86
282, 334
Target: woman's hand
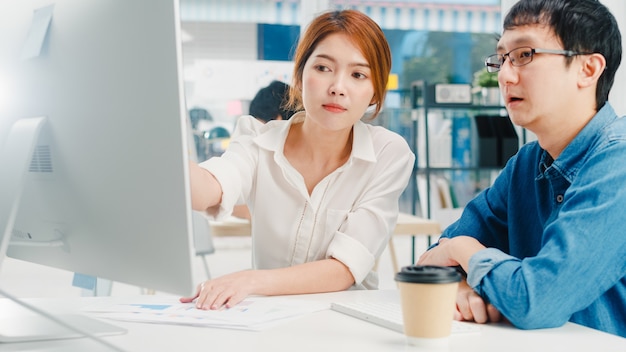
326, 275
226, 291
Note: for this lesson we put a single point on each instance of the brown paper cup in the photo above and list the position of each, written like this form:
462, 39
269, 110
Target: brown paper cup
428, 300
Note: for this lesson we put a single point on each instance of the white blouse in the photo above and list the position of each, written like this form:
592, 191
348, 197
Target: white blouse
350, 214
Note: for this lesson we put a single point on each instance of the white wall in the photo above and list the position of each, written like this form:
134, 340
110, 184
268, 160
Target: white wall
311, 8
618, 93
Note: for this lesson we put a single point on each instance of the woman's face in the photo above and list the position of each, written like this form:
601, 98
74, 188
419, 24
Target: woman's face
336, 84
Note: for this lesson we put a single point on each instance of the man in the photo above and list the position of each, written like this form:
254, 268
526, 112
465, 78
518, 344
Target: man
268, 103
546, 244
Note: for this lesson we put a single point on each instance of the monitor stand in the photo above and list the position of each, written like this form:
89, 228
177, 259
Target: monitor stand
15, 156
25, 326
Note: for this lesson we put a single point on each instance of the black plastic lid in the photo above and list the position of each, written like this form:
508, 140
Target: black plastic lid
428, 274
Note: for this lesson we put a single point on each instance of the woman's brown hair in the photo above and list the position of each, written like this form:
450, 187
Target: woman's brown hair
367, 36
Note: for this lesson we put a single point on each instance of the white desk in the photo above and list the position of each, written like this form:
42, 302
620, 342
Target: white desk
322, 331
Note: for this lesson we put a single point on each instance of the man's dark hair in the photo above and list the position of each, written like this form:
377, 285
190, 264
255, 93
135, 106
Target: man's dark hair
268, 102
580, 25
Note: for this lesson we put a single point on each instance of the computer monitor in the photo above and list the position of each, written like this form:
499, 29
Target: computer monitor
93, 165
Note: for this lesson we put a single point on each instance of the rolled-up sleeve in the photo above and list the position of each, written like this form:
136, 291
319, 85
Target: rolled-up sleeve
482, 262
230, 180
376, 184
234, 169
348, 250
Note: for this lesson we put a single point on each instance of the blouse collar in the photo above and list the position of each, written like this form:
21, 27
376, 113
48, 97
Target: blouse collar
274, 133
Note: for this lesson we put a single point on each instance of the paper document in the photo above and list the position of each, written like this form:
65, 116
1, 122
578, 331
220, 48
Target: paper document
254, 313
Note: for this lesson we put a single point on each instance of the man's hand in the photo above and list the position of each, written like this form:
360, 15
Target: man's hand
452, 252
471, 307
458, 251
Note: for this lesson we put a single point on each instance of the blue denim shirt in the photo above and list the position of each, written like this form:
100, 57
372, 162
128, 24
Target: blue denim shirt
556, 233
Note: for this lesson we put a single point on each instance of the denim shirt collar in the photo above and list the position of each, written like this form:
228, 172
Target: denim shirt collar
570, 160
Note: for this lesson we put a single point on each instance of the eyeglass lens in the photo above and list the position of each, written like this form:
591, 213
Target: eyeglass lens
517, 57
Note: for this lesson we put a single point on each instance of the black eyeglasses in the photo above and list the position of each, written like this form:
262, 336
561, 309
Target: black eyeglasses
523, 56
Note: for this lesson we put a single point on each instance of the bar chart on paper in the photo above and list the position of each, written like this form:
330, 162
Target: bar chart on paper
254, 313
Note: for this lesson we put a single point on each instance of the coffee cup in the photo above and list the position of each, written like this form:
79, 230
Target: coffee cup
428, 300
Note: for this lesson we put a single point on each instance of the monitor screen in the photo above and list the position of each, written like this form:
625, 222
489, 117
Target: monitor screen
103, 188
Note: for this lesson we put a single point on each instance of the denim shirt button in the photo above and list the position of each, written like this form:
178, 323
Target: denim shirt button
559, 198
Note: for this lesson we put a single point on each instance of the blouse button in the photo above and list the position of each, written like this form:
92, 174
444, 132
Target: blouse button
559, 198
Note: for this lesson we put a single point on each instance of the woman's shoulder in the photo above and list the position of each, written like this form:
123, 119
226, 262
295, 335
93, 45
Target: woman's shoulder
246, 124
251, 126
373, 142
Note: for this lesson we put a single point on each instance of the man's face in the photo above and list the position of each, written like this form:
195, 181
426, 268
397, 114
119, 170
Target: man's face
537, 95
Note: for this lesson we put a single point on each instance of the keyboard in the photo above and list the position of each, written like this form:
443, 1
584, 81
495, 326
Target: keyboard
389, 315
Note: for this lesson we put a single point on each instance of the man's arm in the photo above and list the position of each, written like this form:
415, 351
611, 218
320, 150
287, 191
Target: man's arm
456, 252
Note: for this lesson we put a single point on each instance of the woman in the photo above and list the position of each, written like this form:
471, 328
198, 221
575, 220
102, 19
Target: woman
336, 179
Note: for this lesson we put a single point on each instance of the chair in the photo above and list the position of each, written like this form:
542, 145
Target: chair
213, 142
412, 225
203, 239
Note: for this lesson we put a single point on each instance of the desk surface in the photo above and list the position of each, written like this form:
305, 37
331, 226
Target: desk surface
321, 331
407, 225
414, 225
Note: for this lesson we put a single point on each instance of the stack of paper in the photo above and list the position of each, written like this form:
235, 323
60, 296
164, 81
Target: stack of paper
254, 313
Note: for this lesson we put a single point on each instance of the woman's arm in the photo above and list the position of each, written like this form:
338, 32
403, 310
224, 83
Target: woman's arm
325, 275
206, 191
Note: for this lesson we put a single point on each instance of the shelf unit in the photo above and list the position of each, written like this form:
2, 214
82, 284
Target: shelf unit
423, 105
406, 112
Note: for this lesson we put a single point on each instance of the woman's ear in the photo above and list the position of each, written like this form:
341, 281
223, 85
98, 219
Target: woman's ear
592, 68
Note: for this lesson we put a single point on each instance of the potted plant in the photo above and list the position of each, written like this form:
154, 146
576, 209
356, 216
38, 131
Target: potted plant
486, 86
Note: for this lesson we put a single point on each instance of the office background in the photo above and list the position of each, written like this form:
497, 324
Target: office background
232, 48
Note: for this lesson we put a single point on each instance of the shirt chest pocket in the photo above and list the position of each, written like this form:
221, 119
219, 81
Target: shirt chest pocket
330, 221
